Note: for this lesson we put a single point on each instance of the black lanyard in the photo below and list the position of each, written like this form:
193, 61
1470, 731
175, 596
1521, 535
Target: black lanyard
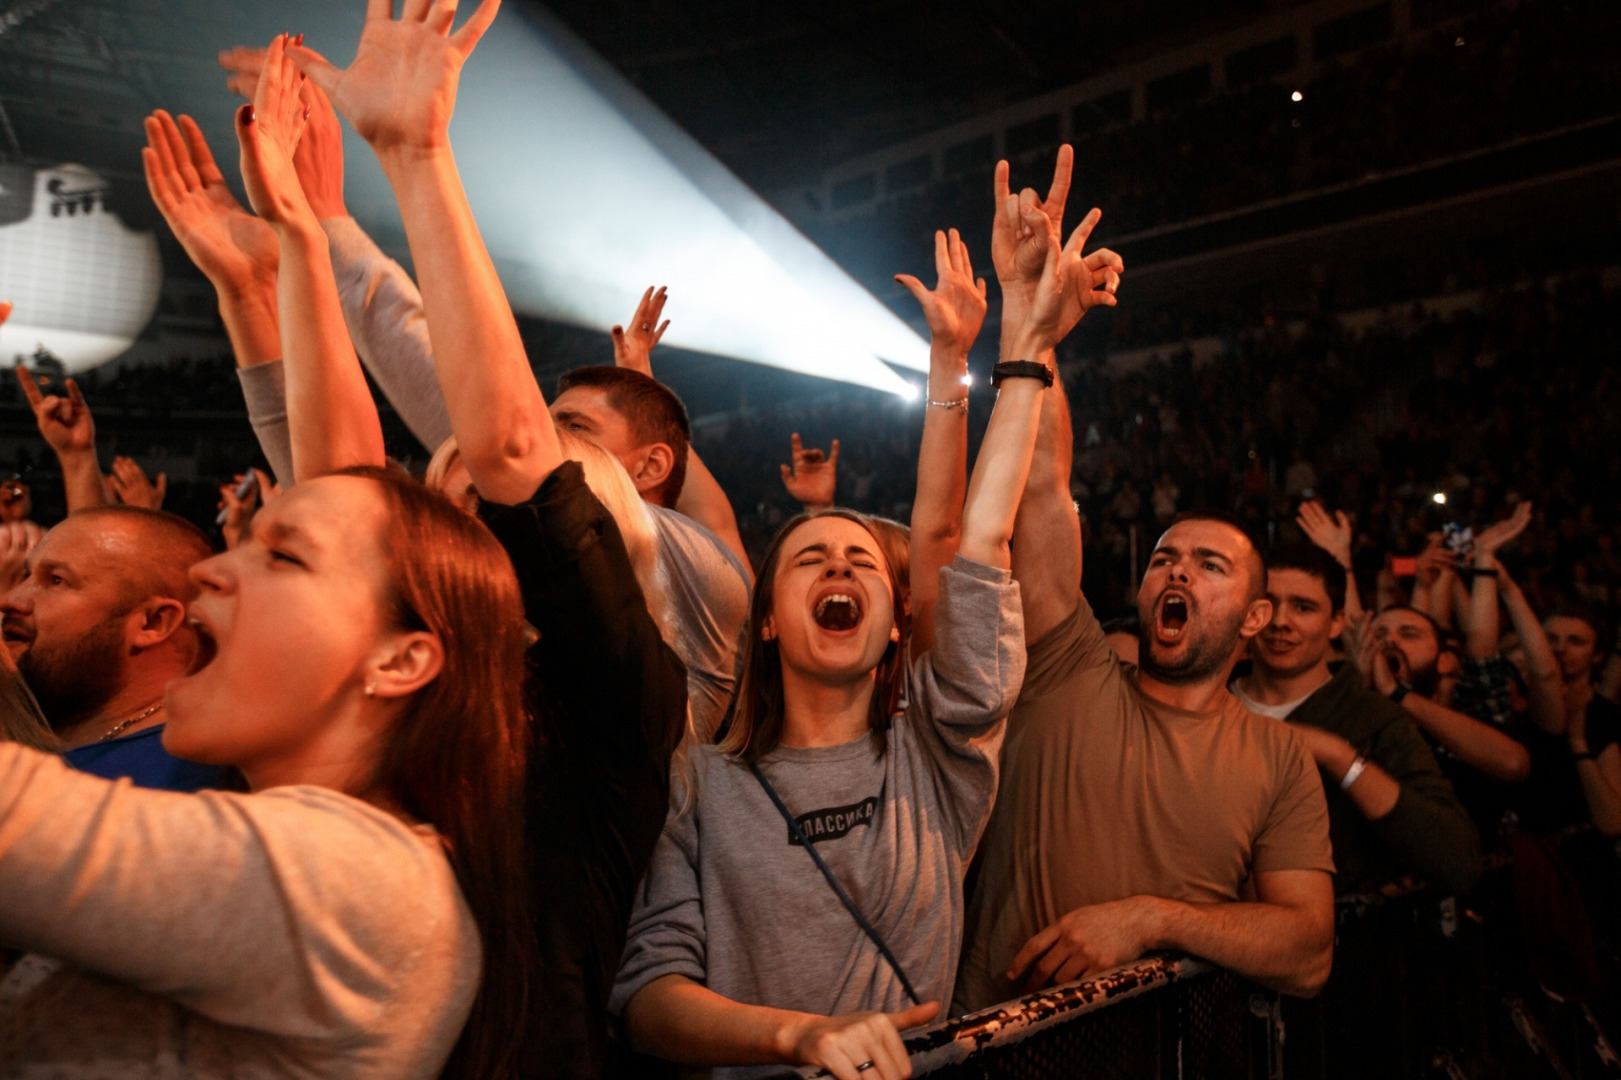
799, 834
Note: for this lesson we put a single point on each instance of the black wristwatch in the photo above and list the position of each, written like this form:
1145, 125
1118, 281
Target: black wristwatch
1021, 369
1401, 691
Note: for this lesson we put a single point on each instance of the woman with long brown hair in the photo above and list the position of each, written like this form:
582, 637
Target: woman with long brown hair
804, 904
361, 663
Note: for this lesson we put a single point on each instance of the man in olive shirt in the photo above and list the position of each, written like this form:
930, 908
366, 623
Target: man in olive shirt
1142, 807
1390, 809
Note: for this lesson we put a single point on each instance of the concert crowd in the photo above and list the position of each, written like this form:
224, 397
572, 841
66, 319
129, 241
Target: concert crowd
593, 746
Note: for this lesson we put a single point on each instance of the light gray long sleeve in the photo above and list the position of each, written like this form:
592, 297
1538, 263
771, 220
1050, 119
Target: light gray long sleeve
383, 310
264, 388
293, 932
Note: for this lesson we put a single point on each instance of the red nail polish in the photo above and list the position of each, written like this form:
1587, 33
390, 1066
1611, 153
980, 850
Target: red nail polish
245, 114
299, 40
306, 112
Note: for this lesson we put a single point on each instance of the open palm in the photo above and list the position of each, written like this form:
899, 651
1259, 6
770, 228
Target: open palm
400, 91
231, 246
955, 310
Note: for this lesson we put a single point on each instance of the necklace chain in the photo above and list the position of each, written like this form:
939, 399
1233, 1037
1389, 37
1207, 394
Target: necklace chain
137, 718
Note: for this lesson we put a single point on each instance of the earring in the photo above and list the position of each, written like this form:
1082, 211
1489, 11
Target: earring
371, 689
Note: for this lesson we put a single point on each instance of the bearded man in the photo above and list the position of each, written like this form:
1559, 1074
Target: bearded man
1143, 807
97, 628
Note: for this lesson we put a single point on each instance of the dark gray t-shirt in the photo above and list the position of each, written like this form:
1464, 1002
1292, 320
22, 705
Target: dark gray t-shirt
731, 901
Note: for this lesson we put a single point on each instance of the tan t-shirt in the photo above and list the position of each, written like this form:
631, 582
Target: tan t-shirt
1108, 794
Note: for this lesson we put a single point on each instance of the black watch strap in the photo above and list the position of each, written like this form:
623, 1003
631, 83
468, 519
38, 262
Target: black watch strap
1401, 691
1021, 369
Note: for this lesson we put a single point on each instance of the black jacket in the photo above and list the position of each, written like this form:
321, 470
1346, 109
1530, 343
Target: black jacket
1428, 832
611, 703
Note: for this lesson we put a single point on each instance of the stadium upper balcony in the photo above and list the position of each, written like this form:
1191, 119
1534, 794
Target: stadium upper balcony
1309, 99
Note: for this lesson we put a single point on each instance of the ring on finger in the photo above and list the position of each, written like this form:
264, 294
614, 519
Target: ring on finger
864, 1066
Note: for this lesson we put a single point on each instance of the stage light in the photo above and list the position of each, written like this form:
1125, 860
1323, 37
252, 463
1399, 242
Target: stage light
585, 194
83, 284
1440, 498
1297, 96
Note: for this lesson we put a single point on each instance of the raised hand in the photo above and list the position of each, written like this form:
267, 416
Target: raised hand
232, 247
128, 484
1043, 318
633, 348
65, 422
1332, 534
1018, 252
814, 475
236, 511
1436, 559
319, 157
863, 1045
269, 130
955, 310
400, 91
1090, 280
1501, 534
16, 501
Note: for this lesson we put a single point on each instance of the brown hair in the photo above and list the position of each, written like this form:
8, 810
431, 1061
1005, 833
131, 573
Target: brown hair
652, 410
457, 757
754, 726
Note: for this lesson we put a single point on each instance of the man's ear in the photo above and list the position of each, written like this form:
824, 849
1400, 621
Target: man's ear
653, 464
1256, 618
404, 664
1336, 625
154, 621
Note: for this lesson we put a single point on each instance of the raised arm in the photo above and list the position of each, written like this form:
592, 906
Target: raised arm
1047, 548
332, 419
1545, 684
399, 94
1482, 630
702, 499
997, 485
955, 310
1333, 535
381, 303
238, 254
70, 432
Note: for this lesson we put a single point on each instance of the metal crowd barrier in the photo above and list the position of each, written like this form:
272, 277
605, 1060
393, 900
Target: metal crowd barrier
1423, 986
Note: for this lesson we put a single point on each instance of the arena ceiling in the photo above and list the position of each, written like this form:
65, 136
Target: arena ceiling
777, 91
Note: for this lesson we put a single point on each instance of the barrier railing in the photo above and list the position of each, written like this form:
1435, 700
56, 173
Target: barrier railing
1423, 986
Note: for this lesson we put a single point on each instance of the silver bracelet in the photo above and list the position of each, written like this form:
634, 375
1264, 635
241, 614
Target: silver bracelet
1352, 774
960, 403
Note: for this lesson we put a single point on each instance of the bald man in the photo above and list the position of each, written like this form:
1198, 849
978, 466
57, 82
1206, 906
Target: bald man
97, 627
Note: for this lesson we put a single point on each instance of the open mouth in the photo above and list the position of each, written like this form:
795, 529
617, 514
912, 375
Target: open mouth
1173, 616
207, 649
13, 634
837, 612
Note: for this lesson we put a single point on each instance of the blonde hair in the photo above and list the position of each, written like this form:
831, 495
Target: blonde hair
613, 487
20, 718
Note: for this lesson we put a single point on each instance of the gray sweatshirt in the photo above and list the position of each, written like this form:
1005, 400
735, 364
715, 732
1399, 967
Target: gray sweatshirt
708, 585
732, 902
